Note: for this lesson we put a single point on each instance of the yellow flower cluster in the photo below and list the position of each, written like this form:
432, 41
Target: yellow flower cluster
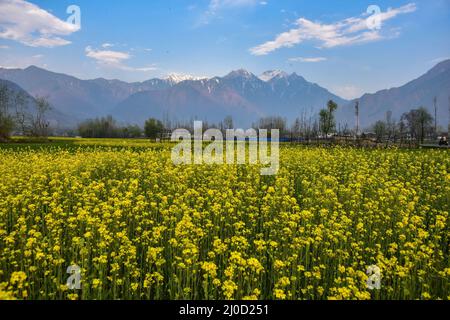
140, 227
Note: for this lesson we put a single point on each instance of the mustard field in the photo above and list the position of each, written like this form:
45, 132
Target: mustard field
140, 227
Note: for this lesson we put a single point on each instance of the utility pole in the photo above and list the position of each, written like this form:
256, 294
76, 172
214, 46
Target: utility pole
357, 118
389, 124
388, 117
435, 115
448, 125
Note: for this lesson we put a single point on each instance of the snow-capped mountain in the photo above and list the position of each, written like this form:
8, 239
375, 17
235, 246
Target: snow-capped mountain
175, 78
269, 75
240, 94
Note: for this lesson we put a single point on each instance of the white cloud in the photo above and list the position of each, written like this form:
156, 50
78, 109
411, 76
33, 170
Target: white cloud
114, 59
30, 25
107, 56
346, 32
302, 59
140, 69
107, 45
4, 47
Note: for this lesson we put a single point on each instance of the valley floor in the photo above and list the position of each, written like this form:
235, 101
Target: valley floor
137, 226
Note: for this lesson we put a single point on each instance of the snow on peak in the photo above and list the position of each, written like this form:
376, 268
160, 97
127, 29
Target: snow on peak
271, 74
179, 77
239, 73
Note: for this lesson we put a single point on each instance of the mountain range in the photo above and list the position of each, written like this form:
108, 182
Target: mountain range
241, 94
419, 92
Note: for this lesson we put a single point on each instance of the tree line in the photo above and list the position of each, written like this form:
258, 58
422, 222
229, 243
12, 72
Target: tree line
414, 126
108, 127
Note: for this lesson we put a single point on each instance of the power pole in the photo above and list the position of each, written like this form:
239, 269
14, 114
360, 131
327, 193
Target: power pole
448, 125
357, 117
389, 124
435, 115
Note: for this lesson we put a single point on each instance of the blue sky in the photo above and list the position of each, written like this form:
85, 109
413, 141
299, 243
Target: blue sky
336, 44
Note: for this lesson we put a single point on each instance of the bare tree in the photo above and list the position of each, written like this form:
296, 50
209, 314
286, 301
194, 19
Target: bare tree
270, 123
402, 130
228, 122
380, 129
40, 127
23, 118
435, 115
419, 123
448, 124
6, 119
